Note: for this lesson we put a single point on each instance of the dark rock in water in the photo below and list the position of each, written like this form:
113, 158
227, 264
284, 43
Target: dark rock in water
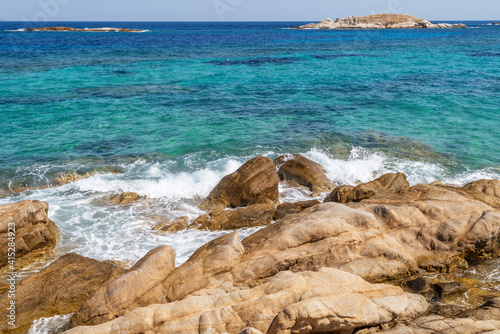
446, 290
256, 182
485, 54
31, 230
61, 288
387, 184
417, 285
496, 23
347, 55
298, 170
290, 208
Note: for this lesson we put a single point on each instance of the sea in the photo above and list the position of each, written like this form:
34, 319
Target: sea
167, 112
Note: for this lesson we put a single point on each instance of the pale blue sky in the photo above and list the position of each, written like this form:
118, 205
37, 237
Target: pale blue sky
241, 10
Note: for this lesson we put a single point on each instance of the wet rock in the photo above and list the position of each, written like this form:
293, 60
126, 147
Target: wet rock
34, 233
298, 170
395, 184
251, 216
256, 182
139, 286
417, 285
309, 302
60, 288
289, 208
173, 226
447, 290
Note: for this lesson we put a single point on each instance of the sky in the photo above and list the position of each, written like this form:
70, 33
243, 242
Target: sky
241, 10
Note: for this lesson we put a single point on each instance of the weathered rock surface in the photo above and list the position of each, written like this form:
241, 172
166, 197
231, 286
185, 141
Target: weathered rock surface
141, 285
256, 182
85, 29
386, 185
385, 236
487, 191
296, 169
175, 225
486, 319
35, 234
251, 216
61, 288
378, 21
290, 208
309, 302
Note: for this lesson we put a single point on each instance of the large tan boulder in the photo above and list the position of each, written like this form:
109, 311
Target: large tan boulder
256, 182
290, 208
309, 302
487, 191
35, 234
251, 216
298, 170
60, 288
141, 285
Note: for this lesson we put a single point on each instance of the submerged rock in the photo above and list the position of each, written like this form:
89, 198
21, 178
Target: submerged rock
124, 198
256, 182
27, 231
61, 288
298, 170
173, 226
309, 302
378, 21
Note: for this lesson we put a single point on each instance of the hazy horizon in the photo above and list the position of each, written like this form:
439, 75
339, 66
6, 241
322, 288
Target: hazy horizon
242, 10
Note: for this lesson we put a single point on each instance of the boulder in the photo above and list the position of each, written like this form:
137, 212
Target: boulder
60, 288
309, 302
379, 238
195, 274
251, 216
487, 191
35, 234
141, 285
256, 182
298, 170
386, 184
289, 208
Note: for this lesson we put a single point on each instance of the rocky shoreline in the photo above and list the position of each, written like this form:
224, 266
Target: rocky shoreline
382, 256
70, 29
378, 21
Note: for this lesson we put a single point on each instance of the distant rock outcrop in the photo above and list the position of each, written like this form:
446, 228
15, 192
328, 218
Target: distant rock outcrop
378, 21
84, 30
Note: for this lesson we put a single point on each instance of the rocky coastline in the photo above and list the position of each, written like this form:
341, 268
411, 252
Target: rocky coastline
70, 29
382, 256
378, 21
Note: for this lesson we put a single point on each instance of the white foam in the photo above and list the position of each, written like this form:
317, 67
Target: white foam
50, 325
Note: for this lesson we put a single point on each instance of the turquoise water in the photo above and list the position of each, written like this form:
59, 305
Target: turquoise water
176, 108
94, 99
